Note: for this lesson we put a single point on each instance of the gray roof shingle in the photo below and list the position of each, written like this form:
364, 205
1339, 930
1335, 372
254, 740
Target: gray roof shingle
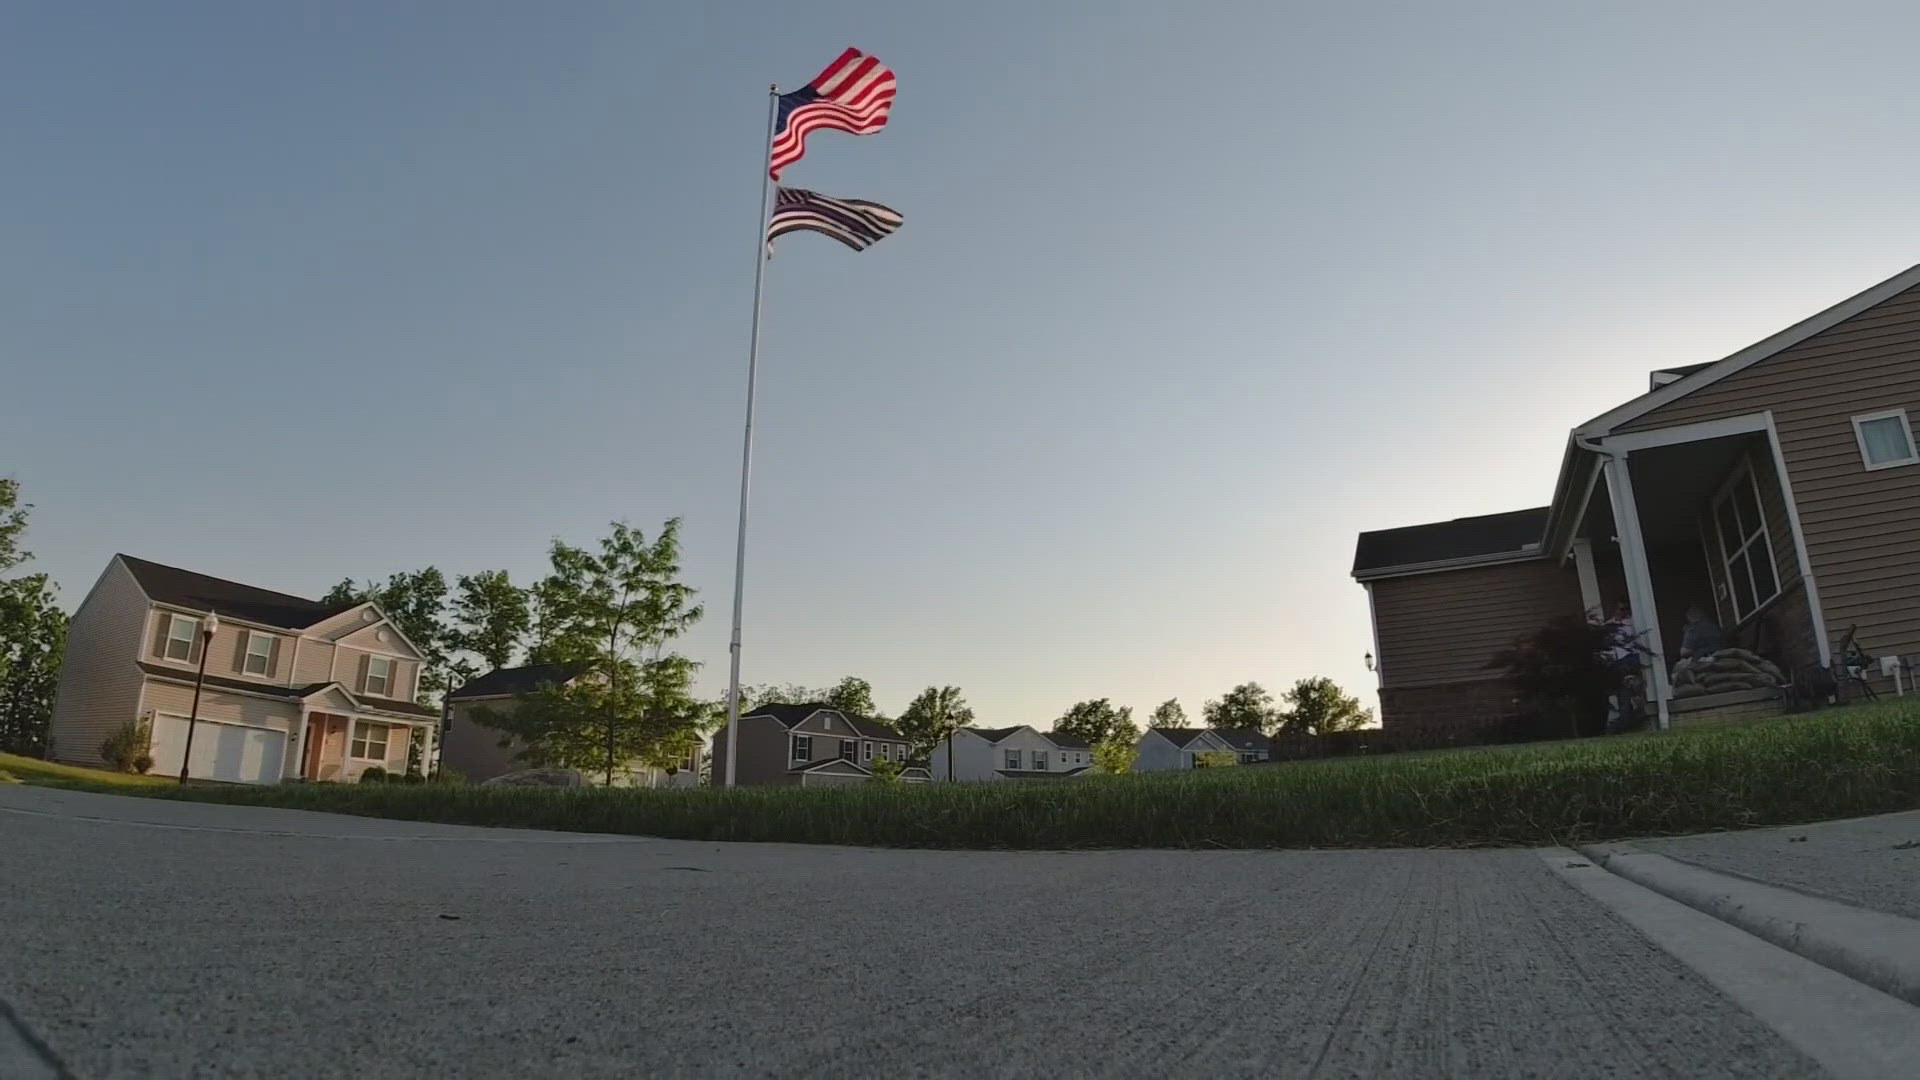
514, 680
1461, 538
202, 592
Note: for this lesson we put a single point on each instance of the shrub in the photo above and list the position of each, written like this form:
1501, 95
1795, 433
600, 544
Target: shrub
1115, 756
447, 774
1564, 673
142, 762
886, 771
1215, 759
374, 774
122, 748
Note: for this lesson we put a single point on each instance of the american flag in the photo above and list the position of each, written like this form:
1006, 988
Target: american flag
853, 95
856, 223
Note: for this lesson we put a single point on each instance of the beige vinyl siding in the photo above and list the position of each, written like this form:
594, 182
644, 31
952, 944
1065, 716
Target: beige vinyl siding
216, 704
99, 686
1444, 627
1861, 527
315, 663
224, 657
368, 638
351, 672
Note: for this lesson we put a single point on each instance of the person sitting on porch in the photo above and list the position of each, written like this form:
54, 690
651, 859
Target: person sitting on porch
1702, 636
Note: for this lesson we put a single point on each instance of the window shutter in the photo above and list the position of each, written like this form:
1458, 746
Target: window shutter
273, 658
199, 643
366, 661
242, 637
164, 624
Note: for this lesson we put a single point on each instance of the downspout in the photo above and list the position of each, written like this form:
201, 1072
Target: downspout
1626, 515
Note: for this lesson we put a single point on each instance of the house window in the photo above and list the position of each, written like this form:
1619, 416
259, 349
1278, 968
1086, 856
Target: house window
803, 748
180, 634
1248, 759
847, 749
379, 676
1013, 759
370, 741
1885, 439
866, 751
1039, 760
259, 658
1746, 550
886, 751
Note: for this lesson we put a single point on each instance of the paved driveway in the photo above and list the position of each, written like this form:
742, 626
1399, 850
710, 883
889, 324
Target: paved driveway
141, 938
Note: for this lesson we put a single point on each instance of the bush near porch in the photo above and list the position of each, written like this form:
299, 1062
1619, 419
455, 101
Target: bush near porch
1779, 771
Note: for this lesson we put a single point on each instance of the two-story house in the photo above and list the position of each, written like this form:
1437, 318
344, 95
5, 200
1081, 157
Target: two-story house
811, 745
479, 751
1010, 753
1180, 748
293, 688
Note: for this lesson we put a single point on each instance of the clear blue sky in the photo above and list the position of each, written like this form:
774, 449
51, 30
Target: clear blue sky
1183, 301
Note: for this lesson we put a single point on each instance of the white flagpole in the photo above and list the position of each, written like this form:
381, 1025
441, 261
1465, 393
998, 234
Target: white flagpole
746, 444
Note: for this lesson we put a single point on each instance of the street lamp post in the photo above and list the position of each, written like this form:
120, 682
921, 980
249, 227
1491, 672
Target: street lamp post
207, 629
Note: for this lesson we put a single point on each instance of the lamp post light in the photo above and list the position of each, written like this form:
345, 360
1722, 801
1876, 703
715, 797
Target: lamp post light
1369, 661
208, 627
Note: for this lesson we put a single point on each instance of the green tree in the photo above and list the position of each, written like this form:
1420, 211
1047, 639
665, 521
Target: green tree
1098, 721
490, 617
1317, 705
886, 772
610, 614
33, 636
935, 714
1245, 706
1215, 759
1168, 714
852, 694
1114, 758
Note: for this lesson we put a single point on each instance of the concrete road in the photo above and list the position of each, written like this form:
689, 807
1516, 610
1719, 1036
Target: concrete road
141, 938
1868, 862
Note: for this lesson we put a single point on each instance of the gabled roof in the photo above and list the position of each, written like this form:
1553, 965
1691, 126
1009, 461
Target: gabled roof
789, 715
291, 693
1245, 738
813, 766
1067, 742
502, 682
1463, 541
1180, 736
994, 735
202, 592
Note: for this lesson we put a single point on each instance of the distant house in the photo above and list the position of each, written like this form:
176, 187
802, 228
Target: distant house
1012, 753
1179, 748
293, 688
1252, 745
481, 752
1778, 488
810, 745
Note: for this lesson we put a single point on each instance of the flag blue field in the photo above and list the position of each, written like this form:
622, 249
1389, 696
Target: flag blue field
854, 94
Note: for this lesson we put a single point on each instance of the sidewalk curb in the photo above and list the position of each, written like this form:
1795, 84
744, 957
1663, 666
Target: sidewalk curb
1870, 947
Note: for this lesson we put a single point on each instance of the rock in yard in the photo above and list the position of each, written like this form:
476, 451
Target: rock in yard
537, 778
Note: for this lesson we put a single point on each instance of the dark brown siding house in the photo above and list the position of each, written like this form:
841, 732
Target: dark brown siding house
1778, 488
812, 745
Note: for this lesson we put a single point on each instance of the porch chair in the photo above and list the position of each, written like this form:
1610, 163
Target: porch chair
1851, 665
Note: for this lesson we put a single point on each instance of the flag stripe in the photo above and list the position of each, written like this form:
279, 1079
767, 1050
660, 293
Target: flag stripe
854, 94
857, 223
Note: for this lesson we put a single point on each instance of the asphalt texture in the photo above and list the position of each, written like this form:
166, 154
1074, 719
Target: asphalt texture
141, 938
1868, 862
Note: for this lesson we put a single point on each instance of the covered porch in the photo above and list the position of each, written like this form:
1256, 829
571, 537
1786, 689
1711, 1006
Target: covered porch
1700, 516
338, 740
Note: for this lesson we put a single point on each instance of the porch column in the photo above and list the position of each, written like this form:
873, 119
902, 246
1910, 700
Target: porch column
305, 723
1633, 559
1589, 581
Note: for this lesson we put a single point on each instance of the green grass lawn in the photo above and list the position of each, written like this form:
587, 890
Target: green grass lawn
47, 774
1837, 763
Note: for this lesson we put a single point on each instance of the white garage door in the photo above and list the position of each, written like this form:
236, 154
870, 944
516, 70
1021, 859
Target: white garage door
235, 753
